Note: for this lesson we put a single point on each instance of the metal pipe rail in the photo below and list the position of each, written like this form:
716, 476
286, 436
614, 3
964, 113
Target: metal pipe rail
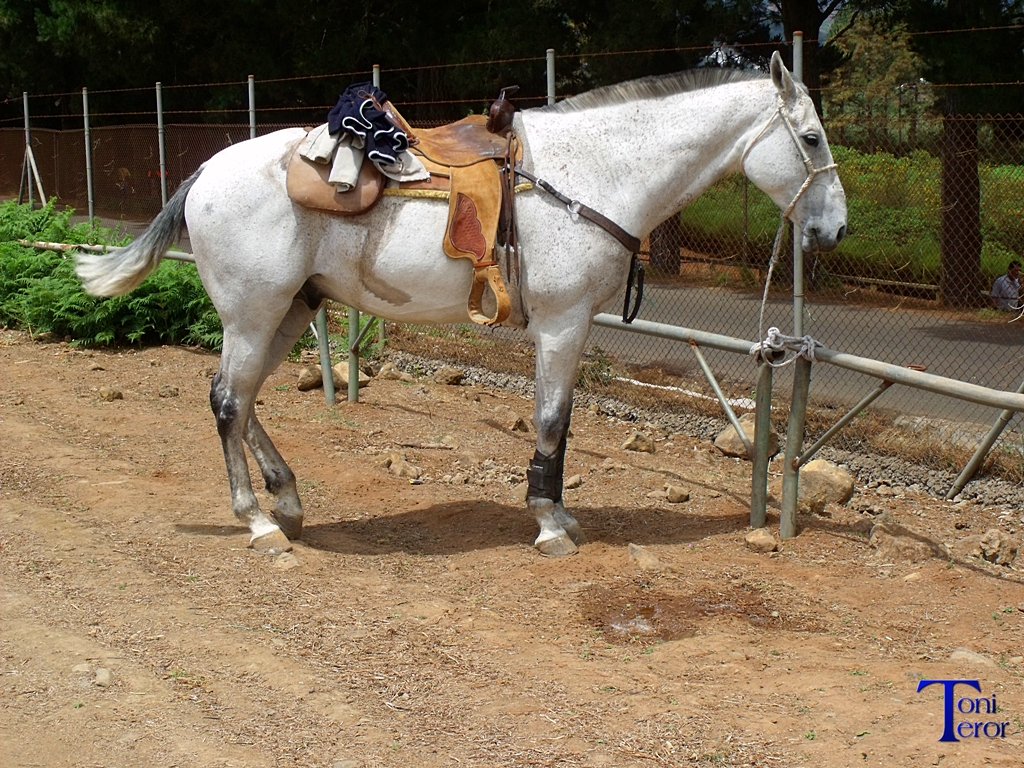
65, 247
888, 373
929, 382
677, 333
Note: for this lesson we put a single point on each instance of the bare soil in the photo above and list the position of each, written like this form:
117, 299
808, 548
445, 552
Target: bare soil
415, 625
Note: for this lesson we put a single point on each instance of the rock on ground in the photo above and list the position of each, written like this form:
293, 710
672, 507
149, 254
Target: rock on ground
286, 561
340, 371
309, 378
896, 544
729, 443
449, 375
518, 424
825, 477
396, 463
970, 657
676, 494
994, 545
645, 560
389, 372
761, 540
109, 394
638, 441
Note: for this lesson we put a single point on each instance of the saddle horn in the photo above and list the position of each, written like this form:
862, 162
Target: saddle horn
499, 116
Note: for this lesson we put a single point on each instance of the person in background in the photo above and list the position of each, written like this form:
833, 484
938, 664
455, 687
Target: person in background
1006, 289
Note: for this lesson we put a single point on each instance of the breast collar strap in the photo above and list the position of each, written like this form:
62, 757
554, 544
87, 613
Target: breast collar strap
631, 243
635, 276
781, 113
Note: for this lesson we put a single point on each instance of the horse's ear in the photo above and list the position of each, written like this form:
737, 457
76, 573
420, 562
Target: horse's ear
783, 80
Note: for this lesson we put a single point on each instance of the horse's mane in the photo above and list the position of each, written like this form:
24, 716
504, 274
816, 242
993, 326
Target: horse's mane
653, 87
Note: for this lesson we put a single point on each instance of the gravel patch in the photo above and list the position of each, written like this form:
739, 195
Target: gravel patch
889, 473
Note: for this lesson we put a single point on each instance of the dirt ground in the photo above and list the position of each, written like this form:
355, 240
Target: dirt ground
415, 625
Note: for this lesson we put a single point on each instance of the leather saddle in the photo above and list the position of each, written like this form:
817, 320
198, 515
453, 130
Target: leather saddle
469, 163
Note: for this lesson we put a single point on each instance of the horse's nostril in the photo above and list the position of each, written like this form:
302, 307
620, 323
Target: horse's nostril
841, 233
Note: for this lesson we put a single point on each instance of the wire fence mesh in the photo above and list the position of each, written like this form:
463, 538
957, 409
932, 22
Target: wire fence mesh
936, 206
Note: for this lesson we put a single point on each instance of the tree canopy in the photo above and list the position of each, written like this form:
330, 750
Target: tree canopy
49, 46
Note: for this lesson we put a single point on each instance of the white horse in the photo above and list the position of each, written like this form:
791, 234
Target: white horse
636, 152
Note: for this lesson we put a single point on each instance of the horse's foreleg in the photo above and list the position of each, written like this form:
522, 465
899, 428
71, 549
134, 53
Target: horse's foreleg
278, 476
558, 356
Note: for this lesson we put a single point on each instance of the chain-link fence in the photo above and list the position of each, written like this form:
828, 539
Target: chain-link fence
936, 208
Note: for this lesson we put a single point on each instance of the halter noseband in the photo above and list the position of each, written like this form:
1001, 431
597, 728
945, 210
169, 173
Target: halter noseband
781, 113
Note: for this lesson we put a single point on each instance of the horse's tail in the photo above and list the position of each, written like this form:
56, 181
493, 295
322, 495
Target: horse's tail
117, 272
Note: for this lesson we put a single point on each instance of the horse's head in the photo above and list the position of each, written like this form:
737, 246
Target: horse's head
789, 160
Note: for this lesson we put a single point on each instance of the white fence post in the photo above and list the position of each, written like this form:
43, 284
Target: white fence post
88, 154
252, 107
160, 143
551, 75
27, 168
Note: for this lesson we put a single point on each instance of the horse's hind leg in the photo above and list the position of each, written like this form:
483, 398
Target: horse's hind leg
250, 353
277, 475
231, 398
558, 355
278, 478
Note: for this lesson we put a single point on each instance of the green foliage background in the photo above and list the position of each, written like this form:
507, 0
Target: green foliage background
40, 292
894, 211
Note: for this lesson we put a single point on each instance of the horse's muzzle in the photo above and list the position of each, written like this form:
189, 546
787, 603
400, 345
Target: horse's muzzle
817, 239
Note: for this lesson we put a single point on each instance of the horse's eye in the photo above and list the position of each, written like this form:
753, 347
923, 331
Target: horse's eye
811, 139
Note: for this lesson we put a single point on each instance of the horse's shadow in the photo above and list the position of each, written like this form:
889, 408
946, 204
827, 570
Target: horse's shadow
465, 526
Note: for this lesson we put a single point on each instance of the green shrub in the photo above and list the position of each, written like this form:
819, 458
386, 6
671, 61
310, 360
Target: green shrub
39, 290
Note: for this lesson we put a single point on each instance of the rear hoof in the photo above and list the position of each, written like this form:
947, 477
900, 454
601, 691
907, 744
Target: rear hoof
291, 526
559, 546
271, 543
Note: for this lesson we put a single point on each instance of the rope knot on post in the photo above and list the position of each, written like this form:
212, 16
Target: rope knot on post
777, 342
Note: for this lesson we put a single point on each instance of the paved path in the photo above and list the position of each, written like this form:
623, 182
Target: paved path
990, 354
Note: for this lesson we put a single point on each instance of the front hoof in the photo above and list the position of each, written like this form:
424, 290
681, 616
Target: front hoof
568, 522
558, 546
271, 543
287, 513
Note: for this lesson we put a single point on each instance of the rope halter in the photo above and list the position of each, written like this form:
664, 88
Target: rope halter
812, 172
774, 340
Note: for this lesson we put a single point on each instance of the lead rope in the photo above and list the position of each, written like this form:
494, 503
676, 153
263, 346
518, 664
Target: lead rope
775, 341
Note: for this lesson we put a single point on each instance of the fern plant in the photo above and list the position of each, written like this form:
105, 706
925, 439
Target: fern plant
40, 291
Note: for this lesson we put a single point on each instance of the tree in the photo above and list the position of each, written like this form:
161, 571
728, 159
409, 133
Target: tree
867, 89
994, 48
